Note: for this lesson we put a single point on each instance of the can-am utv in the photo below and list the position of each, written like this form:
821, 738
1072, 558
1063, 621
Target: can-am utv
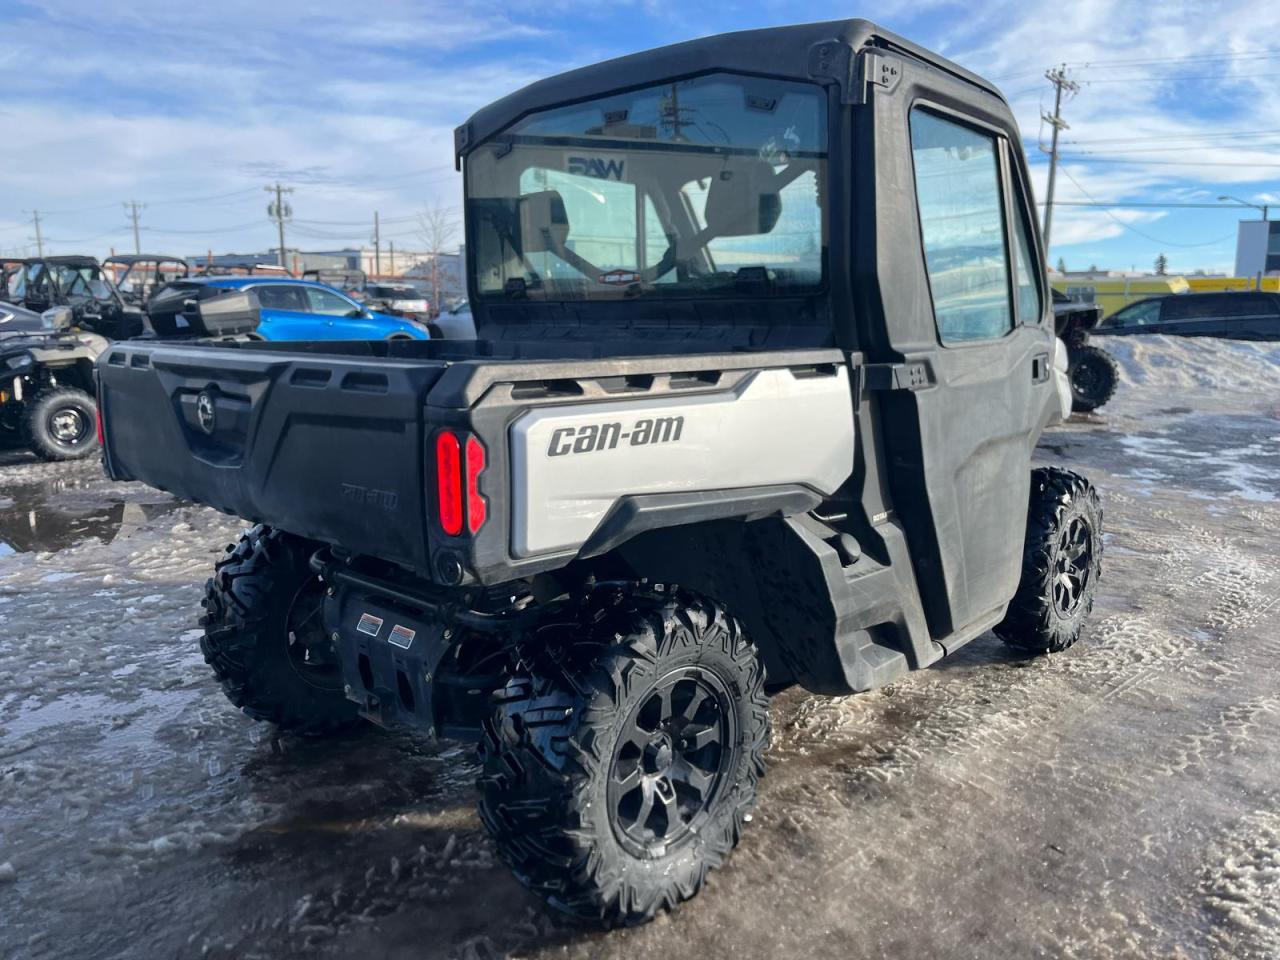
765, 346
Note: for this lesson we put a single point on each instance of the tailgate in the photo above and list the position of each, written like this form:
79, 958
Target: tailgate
326, 446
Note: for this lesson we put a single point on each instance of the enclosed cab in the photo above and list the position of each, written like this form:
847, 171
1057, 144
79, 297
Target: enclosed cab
764, 316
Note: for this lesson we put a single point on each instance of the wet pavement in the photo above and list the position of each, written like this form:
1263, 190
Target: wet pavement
1118, 800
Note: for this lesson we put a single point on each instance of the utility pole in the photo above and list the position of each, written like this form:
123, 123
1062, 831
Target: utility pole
391, 268
280, 212
35, 220
377, 248
133, 208
1061, 82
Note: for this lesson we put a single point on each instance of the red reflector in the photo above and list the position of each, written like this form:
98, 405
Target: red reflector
449, 481
101, 437
477, 506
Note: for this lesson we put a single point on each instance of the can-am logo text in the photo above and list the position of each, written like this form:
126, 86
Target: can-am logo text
607, 436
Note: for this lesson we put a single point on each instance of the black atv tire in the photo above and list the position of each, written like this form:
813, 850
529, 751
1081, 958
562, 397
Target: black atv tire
593, 788
1061, 564
61, 424
263, 638
1094, 375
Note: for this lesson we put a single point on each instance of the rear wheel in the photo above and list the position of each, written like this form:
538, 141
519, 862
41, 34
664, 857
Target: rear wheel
1094, 375
61, 424
622, 760
1061, 563
264, 638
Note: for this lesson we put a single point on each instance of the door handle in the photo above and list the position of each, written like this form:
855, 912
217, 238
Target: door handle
1040, 368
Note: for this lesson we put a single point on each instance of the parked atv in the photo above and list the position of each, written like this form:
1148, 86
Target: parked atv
138, 276
46, 383
1091, 370
79, 284
785, 341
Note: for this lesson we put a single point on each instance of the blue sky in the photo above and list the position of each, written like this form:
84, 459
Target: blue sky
193, 108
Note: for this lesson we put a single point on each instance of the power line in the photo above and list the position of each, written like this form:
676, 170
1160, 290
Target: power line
1157, 204
1165, 137
1143, 233
1097, 158
1180, 78
228, 229
1189, 58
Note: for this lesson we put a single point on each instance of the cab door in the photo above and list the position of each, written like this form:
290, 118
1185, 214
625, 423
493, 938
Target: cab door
963, 329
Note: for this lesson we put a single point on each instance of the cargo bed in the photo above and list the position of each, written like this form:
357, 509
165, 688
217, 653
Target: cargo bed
336, 441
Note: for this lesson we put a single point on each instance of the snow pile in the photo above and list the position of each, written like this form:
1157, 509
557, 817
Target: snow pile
1235, 366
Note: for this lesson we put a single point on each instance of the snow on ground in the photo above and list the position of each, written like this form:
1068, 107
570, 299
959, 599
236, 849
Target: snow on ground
1115, 801
1162, 363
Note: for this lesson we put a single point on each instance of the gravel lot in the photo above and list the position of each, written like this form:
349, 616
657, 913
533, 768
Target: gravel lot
1119, 800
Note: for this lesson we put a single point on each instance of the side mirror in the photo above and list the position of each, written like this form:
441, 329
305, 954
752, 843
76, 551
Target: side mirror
742, 200
57, 319
357, 313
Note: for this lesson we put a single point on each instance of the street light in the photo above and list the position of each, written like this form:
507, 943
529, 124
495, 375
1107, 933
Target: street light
1245, 203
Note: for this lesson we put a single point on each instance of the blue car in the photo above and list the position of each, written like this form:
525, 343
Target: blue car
290, 310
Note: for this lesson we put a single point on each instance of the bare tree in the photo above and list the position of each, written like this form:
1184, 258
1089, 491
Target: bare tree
437, 227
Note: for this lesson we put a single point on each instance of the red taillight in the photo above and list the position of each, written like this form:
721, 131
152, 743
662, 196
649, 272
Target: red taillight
449, 481
477, 506
101, 437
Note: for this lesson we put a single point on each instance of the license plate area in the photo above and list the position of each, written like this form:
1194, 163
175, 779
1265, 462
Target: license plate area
389, 654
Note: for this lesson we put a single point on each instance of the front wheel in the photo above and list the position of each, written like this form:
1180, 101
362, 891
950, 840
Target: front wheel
1061, 563
62, 424
264, 638
620, 765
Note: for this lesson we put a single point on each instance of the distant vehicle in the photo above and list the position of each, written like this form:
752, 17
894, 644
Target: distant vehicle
1231, 316
456, 323
242, 270
397, 299
349, 281
46, 382
138, 276
287, 309
80, 284
1091, 371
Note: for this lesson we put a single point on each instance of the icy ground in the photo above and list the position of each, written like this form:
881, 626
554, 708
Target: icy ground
1119, 800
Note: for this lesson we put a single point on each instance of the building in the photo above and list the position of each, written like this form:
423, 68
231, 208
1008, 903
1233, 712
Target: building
1258, 248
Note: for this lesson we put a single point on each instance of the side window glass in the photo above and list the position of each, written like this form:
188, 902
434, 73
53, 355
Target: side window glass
278, 296
962, 222
1030, 308
322, 301
1140, 314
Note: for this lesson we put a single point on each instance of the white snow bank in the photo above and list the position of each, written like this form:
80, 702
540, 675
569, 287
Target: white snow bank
1235, 366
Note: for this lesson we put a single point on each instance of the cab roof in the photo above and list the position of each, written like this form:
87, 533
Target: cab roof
786, 51
128, 259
